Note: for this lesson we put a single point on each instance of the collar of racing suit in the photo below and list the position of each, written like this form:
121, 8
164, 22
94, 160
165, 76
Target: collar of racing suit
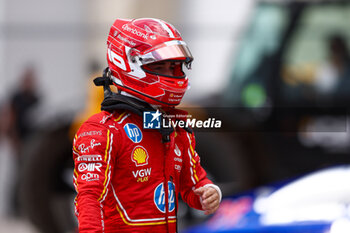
114, 101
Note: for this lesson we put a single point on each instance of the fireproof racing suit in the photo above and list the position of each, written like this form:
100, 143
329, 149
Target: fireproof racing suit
123, 174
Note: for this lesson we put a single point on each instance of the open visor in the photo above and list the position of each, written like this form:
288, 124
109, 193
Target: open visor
172, 50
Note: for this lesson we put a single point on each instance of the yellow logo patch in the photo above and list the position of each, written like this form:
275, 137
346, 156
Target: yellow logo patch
139, 156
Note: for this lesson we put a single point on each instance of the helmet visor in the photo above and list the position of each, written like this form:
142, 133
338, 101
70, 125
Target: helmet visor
167, 68
173, 50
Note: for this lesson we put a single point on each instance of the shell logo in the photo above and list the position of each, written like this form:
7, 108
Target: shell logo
139, 156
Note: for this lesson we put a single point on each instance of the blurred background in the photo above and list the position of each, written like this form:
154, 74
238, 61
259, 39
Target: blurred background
276, 73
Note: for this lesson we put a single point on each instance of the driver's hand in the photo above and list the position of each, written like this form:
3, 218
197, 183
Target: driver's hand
210, 199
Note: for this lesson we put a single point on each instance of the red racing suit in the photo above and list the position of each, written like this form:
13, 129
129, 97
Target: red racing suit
123, 174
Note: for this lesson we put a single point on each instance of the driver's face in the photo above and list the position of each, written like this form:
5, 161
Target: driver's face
165, 67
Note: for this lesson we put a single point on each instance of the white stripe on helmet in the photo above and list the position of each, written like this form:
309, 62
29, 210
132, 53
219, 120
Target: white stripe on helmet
166, 28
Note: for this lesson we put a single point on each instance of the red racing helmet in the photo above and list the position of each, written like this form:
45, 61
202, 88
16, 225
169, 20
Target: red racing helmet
134, 45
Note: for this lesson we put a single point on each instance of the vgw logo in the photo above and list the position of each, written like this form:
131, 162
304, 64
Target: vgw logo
159, 197
151, 120
133, 132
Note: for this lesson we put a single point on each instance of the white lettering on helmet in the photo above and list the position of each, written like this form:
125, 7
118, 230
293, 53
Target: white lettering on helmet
134, 31
126, 40
116, 59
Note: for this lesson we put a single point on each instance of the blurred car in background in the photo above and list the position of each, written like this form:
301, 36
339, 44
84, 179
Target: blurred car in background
285, 108
317, 203
284, 114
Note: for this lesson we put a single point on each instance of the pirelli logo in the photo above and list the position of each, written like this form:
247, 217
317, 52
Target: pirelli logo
89, 158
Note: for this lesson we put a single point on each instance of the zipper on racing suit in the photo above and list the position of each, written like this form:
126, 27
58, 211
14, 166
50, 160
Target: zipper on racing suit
175, 204
167, 177
166, 140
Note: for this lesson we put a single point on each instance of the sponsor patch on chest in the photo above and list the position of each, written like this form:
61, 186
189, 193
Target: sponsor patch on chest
142, 175
177, 158
133, 132
139, 156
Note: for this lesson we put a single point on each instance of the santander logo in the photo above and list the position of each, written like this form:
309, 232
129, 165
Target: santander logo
134, 31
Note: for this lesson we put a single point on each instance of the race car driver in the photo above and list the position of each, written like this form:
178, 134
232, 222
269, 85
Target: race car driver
127, 176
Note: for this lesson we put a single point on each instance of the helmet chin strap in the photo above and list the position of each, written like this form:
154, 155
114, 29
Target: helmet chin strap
116, 101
